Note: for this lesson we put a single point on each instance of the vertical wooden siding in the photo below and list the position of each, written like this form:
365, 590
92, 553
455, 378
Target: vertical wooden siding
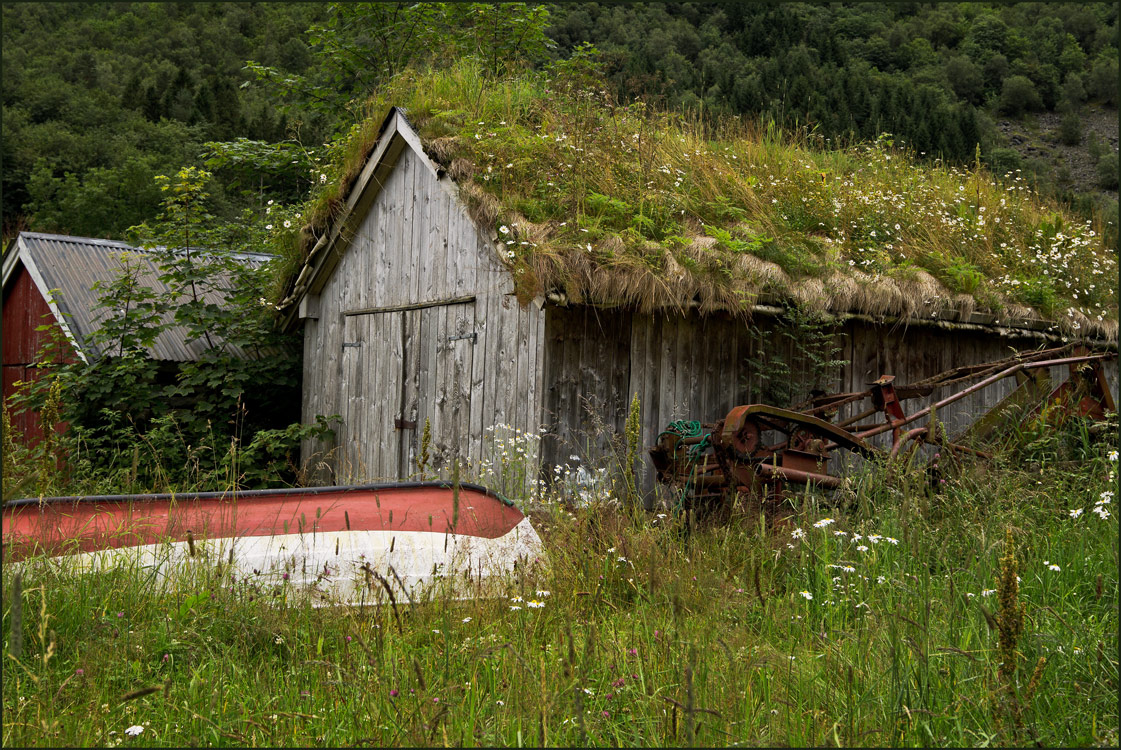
24, 312
417, 245
689, 367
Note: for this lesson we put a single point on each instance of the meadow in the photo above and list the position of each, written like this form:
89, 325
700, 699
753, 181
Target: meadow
983, 611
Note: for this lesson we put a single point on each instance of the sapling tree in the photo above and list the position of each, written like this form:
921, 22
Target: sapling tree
227, 417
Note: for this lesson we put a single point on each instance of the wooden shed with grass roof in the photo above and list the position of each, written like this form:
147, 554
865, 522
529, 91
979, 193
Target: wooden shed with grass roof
473, 283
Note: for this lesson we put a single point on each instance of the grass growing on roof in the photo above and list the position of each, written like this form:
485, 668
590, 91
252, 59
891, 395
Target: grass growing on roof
619, 203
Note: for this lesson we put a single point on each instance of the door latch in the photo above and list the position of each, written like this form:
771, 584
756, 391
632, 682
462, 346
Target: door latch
474, 336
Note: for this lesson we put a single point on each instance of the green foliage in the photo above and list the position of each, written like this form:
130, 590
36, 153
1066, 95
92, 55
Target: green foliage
632, 431
1107, 171
99, 99
749, 243
245, 165
271, 454
1070, 129
226, 418
794, 357
1040, 294
962, 276
134, 312
1102, 80
360, 46
1018, 95
614, 212
1004, 160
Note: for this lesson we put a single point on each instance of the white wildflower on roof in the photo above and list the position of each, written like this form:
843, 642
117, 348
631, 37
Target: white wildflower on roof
823, 523
1102, 511
504, 229
1105, 498
1112, 456
134, 731
798, 534
1076, 513
806, 595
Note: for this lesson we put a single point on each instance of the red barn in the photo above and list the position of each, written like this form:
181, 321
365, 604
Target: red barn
49, 295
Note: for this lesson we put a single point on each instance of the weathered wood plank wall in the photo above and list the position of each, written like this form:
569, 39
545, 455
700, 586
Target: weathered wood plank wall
417, 246
696, 368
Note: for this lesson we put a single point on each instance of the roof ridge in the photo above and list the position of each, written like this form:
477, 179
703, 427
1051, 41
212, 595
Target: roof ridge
120, 244
76, 239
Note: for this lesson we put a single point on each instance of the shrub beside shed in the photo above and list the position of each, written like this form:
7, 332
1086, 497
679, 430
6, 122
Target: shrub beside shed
50, 295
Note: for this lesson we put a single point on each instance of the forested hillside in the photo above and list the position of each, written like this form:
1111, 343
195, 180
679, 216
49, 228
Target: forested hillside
945, 77
99, 98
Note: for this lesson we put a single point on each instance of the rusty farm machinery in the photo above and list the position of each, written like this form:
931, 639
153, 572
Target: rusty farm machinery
761, 451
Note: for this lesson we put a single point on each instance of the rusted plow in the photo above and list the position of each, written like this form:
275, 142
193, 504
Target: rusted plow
759, 450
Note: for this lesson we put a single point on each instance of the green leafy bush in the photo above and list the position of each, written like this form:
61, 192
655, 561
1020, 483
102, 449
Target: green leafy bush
230, 417
1018, 95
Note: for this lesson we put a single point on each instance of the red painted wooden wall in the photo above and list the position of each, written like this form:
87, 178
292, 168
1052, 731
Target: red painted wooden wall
25, 310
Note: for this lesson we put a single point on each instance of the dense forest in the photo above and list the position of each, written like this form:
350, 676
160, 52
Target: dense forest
100, 98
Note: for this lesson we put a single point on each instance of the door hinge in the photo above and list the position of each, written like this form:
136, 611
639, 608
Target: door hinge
474, 336
351, 343
404, 424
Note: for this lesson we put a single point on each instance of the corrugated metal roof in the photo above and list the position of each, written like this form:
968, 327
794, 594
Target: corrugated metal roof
71, 266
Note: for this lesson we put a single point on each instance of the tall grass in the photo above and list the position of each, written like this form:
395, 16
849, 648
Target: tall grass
871, 623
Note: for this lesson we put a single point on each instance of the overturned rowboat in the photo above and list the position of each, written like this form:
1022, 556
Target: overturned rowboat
352, 544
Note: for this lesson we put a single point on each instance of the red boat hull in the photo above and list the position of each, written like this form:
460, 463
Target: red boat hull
404, 531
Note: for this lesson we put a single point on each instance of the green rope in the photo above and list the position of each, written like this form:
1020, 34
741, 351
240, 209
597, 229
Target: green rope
682, 427
688, 429
695, 451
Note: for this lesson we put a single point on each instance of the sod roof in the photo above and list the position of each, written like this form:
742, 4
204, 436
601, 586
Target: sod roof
593, 201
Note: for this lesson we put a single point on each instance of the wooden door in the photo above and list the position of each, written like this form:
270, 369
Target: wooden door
439, 344
371, 393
